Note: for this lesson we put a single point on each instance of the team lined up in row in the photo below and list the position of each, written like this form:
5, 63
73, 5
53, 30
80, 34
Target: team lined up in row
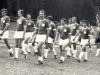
45, 32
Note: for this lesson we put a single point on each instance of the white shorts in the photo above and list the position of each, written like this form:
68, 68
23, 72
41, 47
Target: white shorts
50, 40
41, 38
18, 34
63, 42
76, 40
5, 34
28, 34
84, 41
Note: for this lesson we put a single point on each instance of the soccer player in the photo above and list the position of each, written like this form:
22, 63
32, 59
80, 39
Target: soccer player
80, 27
85, 41
65, 35
91, 32
20, 33
74, 30
4, 31
98, 39
42, 30
27, 44
51, 38
69, 22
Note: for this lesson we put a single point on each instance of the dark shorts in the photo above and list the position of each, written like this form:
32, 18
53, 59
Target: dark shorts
97, 40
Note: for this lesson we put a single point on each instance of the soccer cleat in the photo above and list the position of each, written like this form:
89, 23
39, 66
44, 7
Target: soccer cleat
39, 63
55, 56
25, 55
44, 57
22, 52
68, 56
14, 58
85, 60
61, 61
29, 52
11, 54
50, 50
35, 53
78, 60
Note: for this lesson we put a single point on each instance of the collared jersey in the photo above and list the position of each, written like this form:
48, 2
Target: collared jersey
42, 26
30, 26
52, 28
85, 33
98, 31
74, 28
4, 21
64, 31
20, 24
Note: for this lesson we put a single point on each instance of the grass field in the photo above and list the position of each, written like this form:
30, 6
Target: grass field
51, 66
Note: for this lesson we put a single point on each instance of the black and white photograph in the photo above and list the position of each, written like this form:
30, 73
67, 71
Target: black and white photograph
49, 37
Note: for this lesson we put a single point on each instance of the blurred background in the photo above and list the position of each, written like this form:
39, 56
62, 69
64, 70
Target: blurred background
82, 9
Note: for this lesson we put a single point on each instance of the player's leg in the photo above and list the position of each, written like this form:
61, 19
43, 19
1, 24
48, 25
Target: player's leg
5, 36
51, 46
9, 47
74, 47
84, 51
98, 49
68, 50
24, 49
40, 57
16, 49
46, 50
74, 51
34, 44
61, 50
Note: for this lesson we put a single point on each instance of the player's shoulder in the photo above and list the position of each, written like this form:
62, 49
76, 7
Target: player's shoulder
7, 17
98, 28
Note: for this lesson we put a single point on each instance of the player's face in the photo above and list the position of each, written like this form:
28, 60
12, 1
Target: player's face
3, 13
73, 20
19, 13
62, 22
41, 15
99, 24
89, 25
84, 24
70, 21
80, 22
28, 17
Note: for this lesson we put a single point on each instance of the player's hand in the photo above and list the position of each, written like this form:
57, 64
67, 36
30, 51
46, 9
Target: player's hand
74, 39
23, 37
1, 34
54, 42
70, 41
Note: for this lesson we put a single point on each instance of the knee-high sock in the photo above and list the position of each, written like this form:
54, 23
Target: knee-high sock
55, 53
11, 50
46, 53
29, 46
68, 51
16, 52
24, 48
81, 55
97, 53
85, 55
74, 53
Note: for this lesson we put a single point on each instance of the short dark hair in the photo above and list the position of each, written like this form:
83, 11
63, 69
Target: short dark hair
63, 19
28, 14
74, 18
22, 11
85, 21
42, 11
4, 10
70, 19
49, 17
